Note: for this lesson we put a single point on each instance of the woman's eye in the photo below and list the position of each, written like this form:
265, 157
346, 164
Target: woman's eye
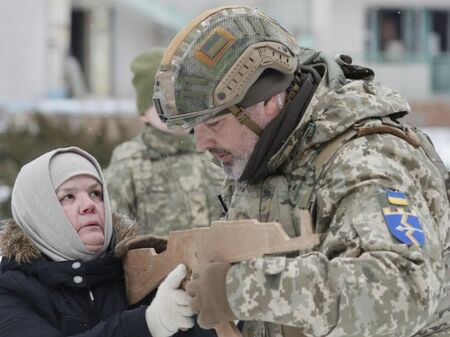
66, 198
96, 195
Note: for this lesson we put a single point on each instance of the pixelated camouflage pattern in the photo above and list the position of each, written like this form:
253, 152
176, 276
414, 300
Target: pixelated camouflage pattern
359, 281
158, 179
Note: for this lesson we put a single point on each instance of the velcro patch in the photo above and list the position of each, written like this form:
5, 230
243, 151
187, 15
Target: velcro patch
214, 46
404, 225
397, 198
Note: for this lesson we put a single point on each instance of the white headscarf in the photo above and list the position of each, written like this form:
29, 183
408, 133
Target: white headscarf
36, 208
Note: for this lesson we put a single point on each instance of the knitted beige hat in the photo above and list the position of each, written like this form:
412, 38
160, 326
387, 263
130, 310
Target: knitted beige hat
65, 165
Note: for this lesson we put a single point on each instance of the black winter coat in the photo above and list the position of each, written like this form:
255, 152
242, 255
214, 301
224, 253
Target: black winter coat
43, 298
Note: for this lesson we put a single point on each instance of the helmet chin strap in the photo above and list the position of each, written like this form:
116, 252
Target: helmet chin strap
269, 84
245, 119
278, 131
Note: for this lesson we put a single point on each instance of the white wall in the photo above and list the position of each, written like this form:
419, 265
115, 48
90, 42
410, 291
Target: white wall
440, 136
132, 34
410, 79
345, 30
23, 49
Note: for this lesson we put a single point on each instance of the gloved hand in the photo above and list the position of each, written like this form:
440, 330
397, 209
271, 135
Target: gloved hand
208, 294
170, 310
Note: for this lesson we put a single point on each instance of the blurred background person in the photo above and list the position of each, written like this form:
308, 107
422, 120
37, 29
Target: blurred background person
157, 178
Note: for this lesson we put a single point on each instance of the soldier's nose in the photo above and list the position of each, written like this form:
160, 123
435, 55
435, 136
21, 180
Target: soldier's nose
203, 137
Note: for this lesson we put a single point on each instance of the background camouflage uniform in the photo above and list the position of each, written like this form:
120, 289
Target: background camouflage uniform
158, 179
360, 281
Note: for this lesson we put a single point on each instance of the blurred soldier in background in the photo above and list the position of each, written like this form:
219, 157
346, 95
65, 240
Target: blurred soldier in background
157, 177
306, 137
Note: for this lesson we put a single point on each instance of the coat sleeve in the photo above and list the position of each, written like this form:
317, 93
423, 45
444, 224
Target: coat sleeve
361, 281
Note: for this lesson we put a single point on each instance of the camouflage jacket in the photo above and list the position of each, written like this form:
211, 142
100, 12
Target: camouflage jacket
360, 280
158, 179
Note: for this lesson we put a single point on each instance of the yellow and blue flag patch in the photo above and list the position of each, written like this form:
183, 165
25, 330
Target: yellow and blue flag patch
397, 198
403, 223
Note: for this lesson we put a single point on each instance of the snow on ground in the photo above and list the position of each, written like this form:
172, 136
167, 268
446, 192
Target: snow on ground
440, 137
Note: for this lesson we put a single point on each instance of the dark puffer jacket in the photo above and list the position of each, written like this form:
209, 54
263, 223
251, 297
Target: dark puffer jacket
43, 298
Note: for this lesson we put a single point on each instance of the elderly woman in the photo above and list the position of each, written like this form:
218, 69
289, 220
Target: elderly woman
59, 274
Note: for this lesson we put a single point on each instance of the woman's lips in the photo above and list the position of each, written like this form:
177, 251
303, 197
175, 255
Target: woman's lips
91, 226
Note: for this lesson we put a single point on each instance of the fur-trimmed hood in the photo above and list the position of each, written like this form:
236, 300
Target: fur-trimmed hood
15, 243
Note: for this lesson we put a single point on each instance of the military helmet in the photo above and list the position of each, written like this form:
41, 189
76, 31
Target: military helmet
144, 68
216, 61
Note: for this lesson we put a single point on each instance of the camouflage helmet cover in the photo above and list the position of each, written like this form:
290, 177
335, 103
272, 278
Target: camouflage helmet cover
211, 64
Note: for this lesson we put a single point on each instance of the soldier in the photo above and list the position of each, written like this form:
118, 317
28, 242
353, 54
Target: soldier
157, 177
302, 133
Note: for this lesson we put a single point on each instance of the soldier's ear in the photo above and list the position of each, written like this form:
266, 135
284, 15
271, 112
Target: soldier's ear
274, 105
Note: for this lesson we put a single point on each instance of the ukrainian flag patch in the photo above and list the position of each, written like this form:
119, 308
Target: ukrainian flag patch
402, 221
405, 226
397, 198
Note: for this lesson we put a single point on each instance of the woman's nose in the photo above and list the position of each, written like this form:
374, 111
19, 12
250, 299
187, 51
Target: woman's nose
87, 205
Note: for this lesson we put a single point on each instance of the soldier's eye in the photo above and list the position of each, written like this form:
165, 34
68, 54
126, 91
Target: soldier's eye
212, 124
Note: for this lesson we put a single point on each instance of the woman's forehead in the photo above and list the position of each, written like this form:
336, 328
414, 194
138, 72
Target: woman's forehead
80, 181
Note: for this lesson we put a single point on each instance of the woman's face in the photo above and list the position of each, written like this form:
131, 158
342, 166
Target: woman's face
81, 197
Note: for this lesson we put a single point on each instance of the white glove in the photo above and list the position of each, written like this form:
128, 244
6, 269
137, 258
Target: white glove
170, 310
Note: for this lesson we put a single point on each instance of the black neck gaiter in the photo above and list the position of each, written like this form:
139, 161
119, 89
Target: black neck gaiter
279, 130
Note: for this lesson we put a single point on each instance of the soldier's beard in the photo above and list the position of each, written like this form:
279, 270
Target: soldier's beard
234, 169
236, 166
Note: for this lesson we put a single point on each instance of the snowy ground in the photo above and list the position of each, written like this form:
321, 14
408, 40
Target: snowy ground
441, 140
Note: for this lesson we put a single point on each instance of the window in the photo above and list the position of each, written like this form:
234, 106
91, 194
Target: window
393, 34
437, 48
439, 32
77, 60
417, 35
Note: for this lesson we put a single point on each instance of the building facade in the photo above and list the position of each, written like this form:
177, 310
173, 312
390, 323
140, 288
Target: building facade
406, 42
66, 49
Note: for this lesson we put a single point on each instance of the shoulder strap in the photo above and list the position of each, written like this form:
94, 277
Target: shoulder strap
329, 151
326, 155
410, 134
